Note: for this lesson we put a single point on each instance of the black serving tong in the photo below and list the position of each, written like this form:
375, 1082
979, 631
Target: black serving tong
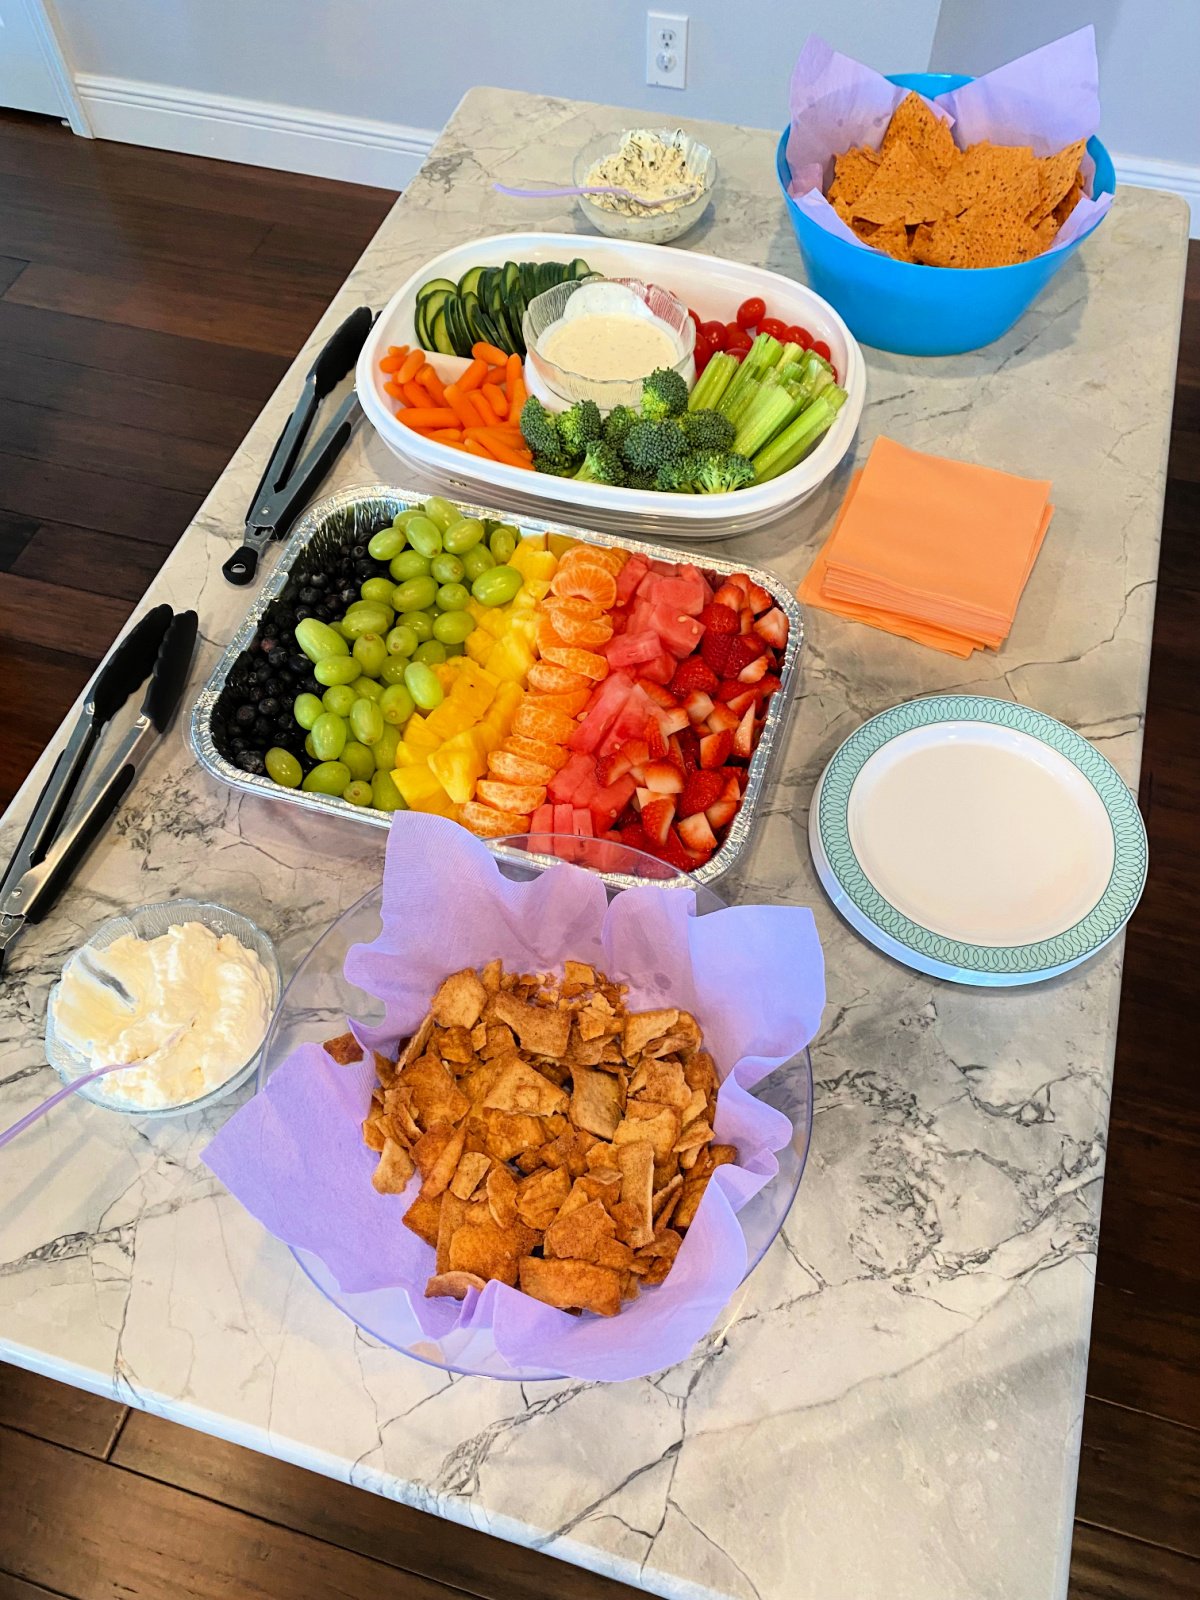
56, 838
288, 482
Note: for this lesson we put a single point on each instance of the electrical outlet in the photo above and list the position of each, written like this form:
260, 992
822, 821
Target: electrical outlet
666, 50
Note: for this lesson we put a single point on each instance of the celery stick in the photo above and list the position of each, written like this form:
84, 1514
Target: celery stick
784, 451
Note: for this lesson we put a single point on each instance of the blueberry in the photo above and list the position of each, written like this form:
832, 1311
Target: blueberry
302, 612
268, 706
252, 761
349, 594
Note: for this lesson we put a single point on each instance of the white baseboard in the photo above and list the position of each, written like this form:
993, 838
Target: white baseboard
1145, 174
257, 133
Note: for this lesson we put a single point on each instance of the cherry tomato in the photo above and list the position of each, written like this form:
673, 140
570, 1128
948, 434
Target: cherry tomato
716, 333
751, 312
798, 335
773, 326
695, 316
703, 353
737, 338
820, 348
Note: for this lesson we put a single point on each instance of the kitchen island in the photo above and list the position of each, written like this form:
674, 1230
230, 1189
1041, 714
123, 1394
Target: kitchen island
892, 1404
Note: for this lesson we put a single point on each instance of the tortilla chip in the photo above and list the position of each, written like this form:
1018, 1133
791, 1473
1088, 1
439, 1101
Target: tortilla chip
643, 1026
345, 1049
520, 1088
435, 1095
852, 172
572, 1285
501, 1191
916, 124
636, 1162
437, 1154
453, 1284
423, 1217
394, 1169
538, 1029
596, 1102
471, 1169
541, 1195
902, 190
1057, 176
459, 1000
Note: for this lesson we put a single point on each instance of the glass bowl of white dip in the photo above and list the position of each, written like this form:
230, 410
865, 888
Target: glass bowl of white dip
209, 984
651, 163
600, 338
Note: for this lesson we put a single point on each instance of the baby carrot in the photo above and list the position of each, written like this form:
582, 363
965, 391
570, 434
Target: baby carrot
514, 370
416, 395
393, 388
413, 362
447, 435
472, 377
422, 417
488, 352
394, 360
473, 447
511, 457
486, 415
495, 398
465, 413
429, 379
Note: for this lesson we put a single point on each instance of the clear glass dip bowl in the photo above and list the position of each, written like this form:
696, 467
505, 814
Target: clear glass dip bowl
545, 311
649, 227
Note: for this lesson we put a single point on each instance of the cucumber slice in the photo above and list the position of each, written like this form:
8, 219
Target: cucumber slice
579, 269
439, 334
434, 284
460, 333
469, 282
528, 276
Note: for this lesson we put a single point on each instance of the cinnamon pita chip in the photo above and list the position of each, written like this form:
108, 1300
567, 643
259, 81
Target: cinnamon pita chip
459, 1000
540, 1196
423, 1217
519, 1088
572, 1285
539, 1030
394, 1170
455, 1045
471, 1170
415, 1048
596, 1102
507, 1135
454, 1284
578, 1234
437, 1155
647, 1122
345, 1049
373, 1135
636, 1162
435, 1095
501, 1191
643, 1026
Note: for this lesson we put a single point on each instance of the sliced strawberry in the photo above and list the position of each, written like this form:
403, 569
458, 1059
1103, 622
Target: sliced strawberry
663, 777
672, 721
656, 739
729, 594
726, 808
685, 745
657, 817
694, 673
638, 752
747, 695
767, 686
658, 692
629, 818
611, 767
715, 648
676, 854
721, 719
642, 798
745, 620
743, 738
715, 749
739, 580
698, 705
747, 647
719, 618
697, 835
699, 791
636, 837
728, 689
759, 599
754, 670
773, 627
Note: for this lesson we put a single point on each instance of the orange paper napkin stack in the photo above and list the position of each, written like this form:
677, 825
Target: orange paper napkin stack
934, 550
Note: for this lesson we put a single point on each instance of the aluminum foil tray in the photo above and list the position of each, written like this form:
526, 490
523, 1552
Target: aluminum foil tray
353, 515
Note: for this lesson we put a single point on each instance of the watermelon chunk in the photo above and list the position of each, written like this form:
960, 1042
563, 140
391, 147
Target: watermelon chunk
684, 592
631, 722
564, 819
679, 632
660, 670
541, 824
629, 649
607, 804
566, 782
601, 711
630, 575
581, 823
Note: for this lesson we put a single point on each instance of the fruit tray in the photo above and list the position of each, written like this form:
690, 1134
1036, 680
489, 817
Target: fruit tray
350, 517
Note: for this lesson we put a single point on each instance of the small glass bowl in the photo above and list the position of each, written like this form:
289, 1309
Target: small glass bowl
652, 227
148, 922
546, 309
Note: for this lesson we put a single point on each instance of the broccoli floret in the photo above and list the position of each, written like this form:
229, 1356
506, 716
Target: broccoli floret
617, 424
707, 430
664, 394
650, 445
639, 478
555, 465
720, 472
579, 427
601, 464
538, 429
675, 477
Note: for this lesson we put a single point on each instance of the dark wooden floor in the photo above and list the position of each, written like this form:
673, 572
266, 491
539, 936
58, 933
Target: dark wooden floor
148, 305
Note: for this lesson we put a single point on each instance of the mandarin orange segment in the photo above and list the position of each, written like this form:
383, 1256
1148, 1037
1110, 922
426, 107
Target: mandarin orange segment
580, 663
547, 678
547, 638
488, 823
523, 798
569, 704
510, 768
581, 634
585, 580
561, 607
602, 555
546, 755
536, 721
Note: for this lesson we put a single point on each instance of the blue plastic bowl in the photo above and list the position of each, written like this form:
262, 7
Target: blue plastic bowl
925, 311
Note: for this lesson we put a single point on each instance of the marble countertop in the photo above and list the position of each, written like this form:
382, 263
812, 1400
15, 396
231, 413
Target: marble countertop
893, 1405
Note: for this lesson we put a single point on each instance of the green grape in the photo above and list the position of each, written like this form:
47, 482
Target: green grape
378, 590
440, 512
365, 617
370, 652
497, 587
446, 568
417, 594
306, 708
480, 559
425, 536
403, 518
366, 720
331, 777
455, 650
384, 749
388, 542
340, 629
336, 669
359, 759
503, 542
283, 767
339, 699
392, 670
317, 641
451, 597
421, 624
358, 793
462, 536
432, 653
453, 627
329, 736
401, 641
409, 564
396, 705
422, 683
367, 688
384, 794
309, 746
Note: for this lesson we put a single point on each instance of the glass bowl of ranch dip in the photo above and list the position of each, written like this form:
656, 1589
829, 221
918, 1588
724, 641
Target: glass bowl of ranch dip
653, 164
185, 991
598, 338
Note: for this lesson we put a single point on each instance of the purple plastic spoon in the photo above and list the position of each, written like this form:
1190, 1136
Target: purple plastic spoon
31, 1117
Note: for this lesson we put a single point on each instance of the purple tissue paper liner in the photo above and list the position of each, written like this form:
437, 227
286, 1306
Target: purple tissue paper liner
753, 976
1046, 99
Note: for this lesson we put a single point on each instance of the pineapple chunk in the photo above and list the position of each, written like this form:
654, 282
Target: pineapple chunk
531, 563
450, 719
457, 765
418, 735
531, 541
511, 657
560, 543
479, 646
421, 789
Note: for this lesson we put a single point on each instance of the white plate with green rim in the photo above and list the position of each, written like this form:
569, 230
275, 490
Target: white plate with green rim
977, 840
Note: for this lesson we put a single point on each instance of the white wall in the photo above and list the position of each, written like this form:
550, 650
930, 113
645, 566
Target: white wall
1149, 62
406, 62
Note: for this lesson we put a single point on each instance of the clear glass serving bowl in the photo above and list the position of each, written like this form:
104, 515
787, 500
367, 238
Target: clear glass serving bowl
545, 310
319, 999
651, 227
148, 922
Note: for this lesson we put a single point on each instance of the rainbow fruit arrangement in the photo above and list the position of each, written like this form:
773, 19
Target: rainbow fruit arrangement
518, 684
